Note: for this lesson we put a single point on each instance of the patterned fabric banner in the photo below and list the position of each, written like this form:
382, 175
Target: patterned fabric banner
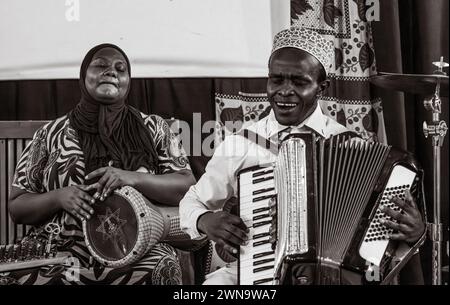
348, 99
244, 108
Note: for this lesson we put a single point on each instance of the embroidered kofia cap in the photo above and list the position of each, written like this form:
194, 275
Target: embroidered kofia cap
309, 41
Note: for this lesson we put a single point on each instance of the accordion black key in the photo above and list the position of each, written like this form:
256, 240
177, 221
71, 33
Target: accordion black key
319, 205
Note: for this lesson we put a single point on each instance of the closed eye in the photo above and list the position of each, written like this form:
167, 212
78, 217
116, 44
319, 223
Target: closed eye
276, 79
300, 82
121, 67
99, 63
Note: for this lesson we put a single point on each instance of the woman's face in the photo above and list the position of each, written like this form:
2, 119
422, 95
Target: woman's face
107, 79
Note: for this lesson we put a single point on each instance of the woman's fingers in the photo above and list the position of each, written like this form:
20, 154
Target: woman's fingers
84, 188
106, 184
96, 186
111, 178
86, 207
86, 215
87, 198
82, 210
102, 182
110, 186
96, 173
75, 213
99, 186
82, 193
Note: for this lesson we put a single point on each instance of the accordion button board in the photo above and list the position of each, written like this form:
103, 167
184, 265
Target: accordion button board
376, 238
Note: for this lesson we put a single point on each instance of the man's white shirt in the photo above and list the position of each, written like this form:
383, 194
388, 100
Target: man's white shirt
219, 182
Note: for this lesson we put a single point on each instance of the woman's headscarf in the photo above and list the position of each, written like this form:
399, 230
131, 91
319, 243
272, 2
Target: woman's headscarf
114, 132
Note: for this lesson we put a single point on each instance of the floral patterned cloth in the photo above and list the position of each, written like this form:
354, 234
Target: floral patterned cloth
347, 24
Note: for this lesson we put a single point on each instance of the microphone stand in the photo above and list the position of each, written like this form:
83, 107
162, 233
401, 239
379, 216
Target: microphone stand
437, 129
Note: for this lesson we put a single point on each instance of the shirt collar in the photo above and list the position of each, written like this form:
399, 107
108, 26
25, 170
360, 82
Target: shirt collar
316, 121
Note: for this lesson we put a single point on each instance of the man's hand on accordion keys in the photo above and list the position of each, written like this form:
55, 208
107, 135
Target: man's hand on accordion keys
227, 230
408, 224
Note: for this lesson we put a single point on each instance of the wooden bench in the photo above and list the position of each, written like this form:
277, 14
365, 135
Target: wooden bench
14, 137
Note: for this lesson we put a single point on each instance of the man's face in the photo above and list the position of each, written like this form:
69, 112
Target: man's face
292, 87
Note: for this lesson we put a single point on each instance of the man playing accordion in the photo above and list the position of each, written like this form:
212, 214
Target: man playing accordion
298, 68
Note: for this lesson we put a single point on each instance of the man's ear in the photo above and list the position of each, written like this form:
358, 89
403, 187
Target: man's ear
323, 86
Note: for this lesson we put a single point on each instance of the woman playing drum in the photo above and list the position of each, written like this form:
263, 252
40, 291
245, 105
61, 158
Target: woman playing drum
81, 158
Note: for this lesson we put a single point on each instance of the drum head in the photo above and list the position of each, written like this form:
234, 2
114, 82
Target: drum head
113, 229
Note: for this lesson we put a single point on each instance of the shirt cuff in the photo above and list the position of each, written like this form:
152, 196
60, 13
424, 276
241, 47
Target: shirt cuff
193, 230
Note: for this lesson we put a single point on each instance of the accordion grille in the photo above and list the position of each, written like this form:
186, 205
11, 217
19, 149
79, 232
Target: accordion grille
291, 186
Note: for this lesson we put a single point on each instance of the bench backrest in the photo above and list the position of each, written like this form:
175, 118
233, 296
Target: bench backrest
14, 136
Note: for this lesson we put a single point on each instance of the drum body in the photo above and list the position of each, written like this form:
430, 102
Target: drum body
123, 228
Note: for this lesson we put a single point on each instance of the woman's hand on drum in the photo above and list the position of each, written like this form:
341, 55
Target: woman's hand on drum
75, 200
227, 230
111, 178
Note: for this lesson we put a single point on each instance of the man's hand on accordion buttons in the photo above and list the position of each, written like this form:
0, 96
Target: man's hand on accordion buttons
227, 230
409, 226
111, 178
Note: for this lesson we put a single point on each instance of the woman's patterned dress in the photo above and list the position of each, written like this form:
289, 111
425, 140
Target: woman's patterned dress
55, 160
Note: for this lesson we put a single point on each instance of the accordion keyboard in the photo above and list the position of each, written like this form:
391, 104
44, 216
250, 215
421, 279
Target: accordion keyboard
256, 264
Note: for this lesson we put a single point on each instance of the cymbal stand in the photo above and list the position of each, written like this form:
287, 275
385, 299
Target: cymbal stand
437, 129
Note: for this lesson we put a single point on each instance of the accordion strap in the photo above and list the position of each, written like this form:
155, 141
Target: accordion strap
273, 146
259, 140
396, 270
350, 134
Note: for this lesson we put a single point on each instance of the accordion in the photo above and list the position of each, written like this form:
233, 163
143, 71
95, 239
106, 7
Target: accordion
319, 205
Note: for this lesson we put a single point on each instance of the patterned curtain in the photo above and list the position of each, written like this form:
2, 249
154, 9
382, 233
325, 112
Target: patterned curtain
348, 100
239, 103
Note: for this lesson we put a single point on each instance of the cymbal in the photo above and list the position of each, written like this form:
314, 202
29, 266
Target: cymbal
424, 84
